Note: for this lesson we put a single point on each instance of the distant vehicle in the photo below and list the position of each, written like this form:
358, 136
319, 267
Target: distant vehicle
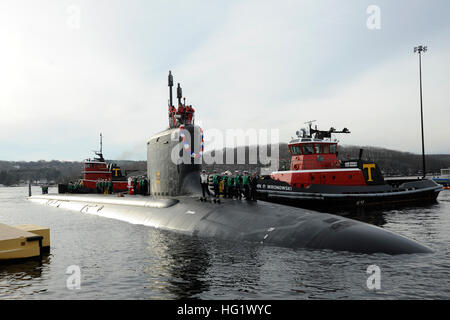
444, 178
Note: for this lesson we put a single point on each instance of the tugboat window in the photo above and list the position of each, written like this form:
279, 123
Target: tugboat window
296, 150
326, 148
333, 148
308, 149
318, 148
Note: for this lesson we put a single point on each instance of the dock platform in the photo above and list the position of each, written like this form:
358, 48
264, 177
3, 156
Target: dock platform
18, 242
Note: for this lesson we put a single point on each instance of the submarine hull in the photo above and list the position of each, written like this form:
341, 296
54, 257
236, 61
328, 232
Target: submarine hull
256, 222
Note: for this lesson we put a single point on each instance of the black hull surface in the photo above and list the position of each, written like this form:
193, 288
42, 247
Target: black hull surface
241, 221
334, 198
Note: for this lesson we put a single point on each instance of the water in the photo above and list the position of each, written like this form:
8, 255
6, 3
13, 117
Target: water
119, 260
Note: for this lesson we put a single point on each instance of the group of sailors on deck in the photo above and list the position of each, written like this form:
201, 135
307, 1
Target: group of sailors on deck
229, 186
104, 186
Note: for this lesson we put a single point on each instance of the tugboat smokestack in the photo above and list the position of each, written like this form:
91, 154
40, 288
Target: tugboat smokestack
170, 87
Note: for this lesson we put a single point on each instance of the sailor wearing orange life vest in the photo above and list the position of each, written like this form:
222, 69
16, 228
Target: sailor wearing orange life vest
172, 112
189, 114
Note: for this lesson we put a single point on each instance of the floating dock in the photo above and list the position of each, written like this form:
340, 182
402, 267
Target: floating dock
23, 242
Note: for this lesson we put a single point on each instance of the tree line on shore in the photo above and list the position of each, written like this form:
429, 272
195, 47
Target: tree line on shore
390, 161
50, 172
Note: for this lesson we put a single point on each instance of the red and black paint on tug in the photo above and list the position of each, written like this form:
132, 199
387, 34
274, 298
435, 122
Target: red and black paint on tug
318, 179
99, 176
97, 170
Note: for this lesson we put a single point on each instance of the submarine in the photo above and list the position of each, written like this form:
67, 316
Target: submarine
174, 162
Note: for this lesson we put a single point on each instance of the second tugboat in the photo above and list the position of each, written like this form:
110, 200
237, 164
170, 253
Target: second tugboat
317, 179
100, 176
97, 170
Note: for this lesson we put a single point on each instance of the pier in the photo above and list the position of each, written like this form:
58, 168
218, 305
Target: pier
23, 242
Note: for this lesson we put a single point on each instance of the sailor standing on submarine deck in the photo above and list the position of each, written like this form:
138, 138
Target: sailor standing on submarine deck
230, 185
204, 182
237, 185
253, 185
246, 185
216, 181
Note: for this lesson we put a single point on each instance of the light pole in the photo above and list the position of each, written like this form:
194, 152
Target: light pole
421, 49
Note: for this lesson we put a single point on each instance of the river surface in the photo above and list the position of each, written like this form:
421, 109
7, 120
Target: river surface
119, 260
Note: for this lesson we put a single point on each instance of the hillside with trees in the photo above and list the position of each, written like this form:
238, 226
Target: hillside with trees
53, 172
392, 163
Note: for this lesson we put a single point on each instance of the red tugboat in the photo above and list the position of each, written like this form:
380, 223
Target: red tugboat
317, 179
97, 170
100, 176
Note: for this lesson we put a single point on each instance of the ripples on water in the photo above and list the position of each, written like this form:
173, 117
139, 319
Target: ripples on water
119, 260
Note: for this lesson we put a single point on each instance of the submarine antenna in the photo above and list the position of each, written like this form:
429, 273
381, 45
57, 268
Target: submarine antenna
179, 94
170, 88
101, 143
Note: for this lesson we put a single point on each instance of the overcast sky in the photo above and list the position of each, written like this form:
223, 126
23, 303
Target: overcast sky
72, 69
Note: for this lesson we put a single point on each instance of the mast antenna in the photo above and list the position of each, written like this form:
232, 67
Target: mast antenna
170, 88
100, 153
179, 94
310, 127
